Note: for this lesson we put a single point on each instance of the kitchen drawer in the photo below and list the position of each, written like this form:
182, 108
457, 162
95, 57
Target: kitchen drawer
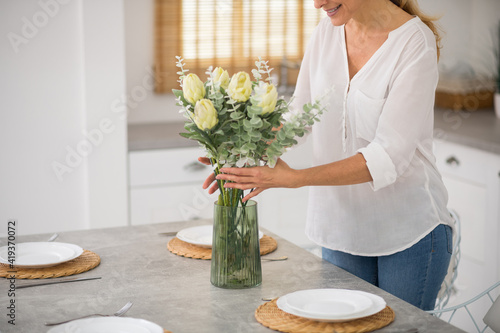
462, 162
167, 166
170, 204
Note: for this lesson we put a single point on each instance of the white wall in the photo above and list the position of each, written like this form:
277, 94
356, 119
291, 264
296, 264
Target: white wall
470, 35
62, 65
105, 84
144, 105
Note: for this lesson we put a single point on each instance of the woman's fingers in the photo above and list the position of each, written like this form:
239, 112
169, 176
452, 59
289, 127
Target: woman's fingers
235, 179
204, 160
238, 175
253, 193
210, 179
240, 186
258, 178
213, 189
210, 184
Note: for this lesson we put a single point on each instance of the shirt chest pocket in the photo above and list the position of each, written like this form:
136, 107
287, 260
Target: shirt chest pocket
366, 115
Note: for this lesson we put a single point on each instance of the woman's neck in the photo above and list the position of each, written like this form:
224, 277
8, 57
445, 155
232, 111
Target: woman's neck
376, 17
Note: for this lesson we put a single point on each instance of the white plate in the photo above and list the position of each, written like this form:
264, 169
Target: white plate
339, 302
40, 254
200, 236
331, 305
108, 325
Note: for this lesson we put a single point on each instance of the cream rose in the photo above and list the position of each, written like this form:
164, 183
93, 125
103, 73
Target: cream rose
205, 115
192, 88
221, 76
240, 87
265, 97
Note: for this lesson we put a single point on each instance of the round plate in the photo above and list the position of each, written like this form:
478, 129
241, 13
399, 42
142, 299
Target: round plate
200, 236
108, 325
331, 305
40, 254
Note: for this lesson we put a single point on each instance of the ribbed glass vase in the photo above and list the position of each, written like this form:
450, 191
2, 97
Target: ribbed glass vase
235, 247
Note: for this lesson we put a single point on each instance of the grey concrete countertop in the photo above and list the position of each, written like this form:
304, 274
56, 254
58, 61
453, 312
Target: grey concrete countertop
175, 292
478, 129
157, 136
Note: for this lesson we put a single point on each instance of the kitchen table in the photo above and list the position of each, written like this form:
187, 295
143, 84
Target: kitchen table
175, 292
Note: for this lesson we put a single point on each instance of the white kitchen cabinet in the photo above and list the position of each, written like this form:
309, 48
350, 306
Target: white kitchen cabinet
472, 178
284, 211
165, 186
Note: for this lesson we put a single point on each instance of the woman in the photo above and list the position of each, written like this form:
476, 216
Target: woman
377, 204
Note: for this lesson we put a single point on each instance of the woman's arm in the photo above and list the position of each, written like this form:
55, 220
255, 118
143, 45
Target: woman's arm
352, 170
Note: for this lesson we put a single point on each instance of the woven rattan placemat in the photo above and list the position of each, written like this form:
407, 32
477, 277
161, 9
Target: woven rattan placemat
269, 315
181, 248
85, 262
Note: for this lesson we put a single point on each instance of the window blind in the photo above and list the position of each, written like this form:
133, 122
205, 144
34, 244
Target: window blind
231, 34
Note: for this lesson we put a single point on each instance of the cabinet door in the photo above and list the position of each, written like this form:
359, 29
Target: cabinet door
170, 204
165, 186
477, 267
166, 166
468, 177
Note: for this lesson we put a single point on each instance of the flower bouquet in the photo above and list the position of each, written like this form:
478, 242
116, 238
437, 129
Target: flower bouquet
239, 123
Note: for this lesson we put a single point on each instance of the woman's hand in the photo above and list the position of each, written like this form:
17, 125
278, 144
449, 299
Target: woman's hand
210, 179
257, 178
349, 171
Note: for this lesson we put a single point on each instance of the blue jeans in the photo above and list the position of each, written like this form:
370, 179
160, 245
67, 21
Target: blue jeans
414, 275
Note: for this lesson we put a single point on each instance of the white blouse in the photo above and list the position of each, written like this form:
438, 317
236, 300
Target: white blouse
385, 113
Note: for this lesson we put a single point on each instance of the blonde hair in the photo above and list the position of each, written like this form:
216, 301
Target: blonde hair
412, 8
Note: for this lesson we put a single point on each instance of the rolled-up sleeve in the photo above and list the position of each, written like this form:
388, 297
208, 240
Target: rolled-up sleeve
380, 165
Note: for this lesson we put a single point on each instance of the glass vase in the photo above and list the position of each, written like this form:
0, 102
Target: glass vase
235, 260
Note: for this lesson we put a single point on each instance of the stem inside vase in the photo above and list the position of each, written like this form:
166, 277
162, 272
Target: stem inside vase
235, 247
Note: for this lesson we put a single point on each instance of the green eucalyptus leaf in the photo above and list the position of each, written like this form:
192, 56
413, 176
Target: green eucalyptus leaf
251, 146
247, 124
255, 135
256, 122
178, 93
307, 108
236, 115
